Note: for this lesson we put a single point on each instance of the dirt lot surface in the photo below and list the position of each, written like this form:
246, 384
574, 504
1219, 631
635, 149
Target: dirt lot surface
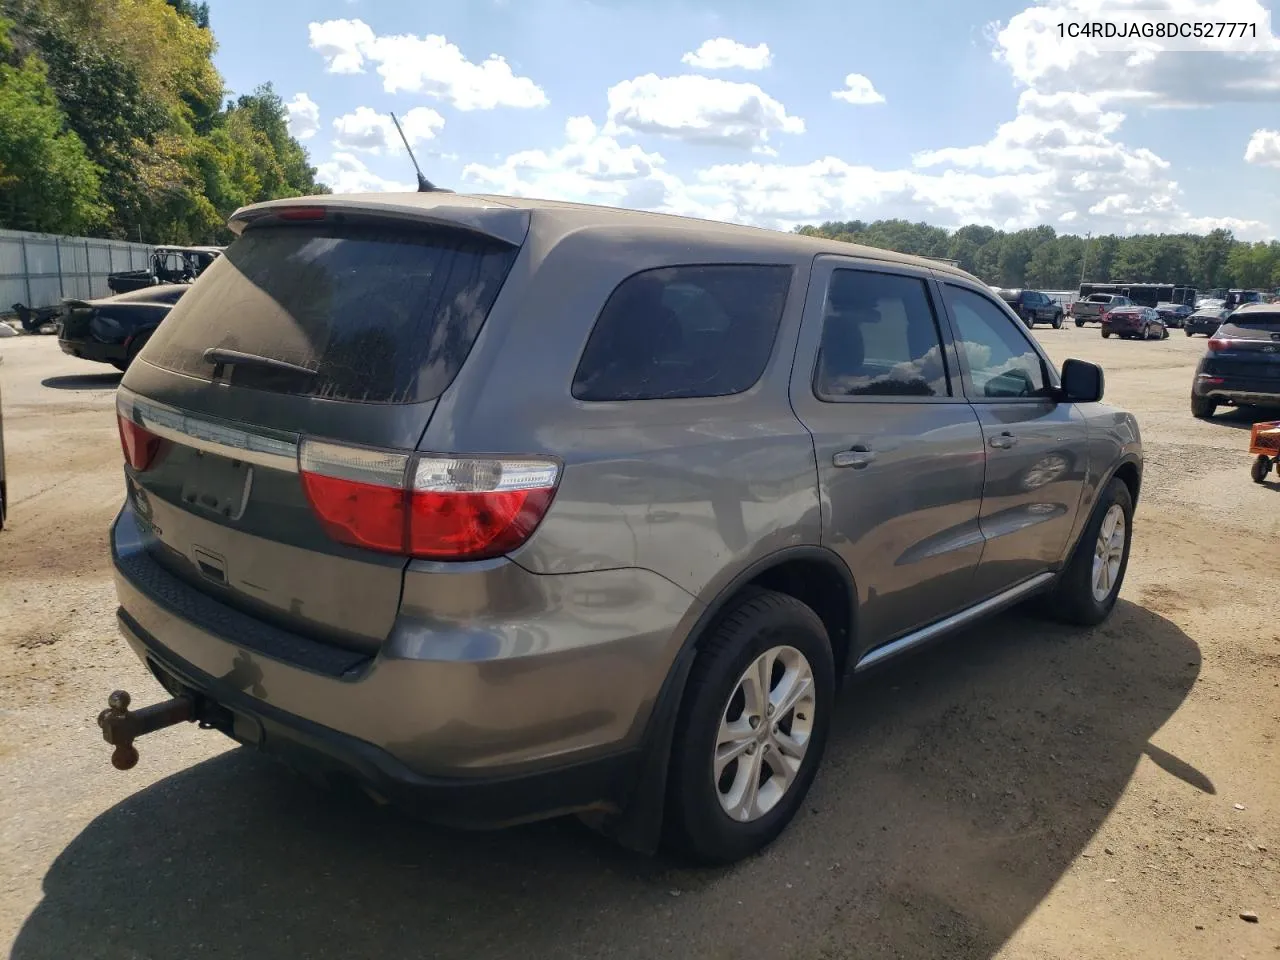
1023, 791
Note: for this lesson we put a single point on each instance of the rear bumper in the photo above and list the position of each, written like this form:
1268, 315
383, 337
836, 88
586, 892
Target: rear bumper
93, 350
1240, 392
550, 709
477, 802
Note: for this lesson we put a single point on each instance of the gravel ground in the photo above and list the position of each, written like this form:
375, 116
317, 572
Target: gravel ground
1022, 791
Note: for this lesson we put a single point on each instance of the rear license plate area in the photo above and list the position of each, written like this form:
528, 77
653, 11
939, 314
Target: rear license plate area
218, 485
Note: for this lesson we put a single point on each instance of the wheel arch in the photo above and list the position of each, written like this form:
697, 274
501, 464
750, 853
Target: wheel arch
829, 589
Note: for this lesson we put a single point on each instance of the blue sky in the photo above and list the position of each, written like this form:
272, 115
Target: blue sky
956, 112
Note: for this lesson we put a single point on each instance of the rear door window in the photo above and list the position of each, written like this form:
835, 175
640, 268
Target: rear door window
683, 332
880, 338
374, 314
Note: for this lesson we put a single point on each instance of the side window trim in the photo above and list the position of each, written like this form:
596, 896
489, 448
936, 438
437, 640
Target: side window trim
819, 282
970, 391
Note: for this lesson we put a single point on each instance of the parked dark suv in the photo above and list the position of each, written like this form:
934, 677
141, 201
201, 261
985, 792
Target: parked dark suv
508, 508
1033, 307
1242, 363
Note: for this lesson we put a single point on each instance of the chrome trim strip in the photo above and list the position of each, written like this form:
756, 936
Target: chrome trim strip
278, 452
998, 602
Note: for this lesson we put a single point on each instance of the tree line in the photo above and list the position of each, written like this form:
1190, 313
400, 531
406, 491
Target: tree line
1039, 258
113, 123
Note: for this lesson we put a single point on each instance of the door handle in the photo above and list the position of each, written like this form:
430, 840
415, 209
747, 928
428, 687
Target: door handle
1003, 441
857, 457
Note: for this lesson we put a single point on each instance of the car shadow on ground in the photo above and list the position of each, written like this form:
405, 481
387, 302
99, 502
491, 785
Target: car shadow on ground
958, 786
1243, 418
83, 381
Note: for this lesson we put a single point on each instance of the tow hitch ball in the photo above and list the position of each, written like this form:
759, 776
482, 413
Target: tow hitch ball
121, 726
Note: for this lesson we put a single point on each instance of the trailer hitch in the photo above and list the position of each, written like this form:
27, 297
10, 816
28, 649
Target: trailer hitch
121, 726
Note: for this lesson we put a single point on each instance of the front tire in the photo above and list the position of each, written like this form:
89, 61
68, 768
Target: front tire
753, 724
1057, 321
1087, 588
1190, 334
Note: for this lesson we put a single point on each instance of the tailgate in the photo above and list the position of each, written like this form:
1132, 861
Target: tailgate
346, 332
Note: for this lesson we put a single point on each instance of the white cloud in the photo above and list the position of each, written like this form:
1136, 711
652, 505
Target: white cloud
1235, 71
1062, 159
366, 129
347, 173
721, 53
589, 167
428, 64
1264, 148
698, 109
858, 90
304, 116
341, 43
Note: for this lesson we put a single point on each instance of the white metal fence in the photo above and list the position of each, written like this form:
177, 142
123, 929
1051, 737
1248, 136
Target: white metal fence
39, 269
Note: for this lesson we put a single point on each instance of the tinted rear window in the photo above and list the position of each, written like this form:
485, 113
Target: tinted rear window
695, 331
1256, 321
381, 315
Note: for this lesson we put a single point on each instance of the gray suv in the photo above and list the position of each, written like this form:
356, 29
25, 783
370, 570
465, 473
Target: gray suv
506, 509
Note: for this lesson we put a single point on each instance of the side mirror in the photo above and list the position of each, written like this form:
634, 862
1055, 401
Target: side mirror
1082, 382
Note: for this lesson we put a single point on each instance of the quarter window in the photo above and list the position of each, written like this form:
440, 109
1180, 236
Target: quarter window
682, 332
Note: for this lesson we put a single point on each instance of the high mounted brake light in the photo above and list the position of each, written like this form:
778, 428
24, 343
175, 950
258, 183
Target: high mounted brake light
300, 213
426, 506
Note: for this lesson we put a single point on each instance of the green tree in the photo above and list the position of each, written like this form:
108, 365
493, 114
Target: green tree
47, 181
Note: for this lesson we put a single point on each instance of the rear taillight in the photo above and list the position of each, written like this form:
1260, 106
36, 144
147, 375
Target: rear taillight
1217, 345
141, 447
437, 508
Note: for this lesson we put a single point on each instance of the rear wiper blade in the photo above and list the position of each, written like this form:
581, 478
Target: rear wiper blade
221, 357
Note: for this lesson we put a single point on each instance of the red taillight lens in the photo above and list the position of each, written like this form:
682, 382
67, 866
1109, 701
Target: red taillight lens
141, 447
435, 508
1216, 345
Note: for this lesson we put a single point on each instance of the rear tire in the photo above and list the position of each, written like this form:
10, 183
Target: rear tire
1106, 334
1164, 333
1190, 334
1057, 321
719, 711
1261, 467
1088, 586
1202, 408
135, 348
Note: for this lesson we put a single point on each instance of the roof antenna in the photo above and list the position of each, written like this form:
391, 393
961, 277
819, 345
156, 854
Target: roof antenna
424, 185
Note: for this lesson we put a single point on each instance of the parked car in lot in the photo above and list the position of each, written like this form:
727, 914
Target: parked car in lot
509, 508
1092, 307
168, 265
1134, 323
114, 329
1205, 320
1033, 307
1242, 363
1174, 314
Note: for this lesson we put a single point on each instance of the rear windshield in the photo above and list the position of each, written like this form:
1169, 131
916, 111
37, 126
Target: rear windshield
380, 315
1099, 298
1256, 321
